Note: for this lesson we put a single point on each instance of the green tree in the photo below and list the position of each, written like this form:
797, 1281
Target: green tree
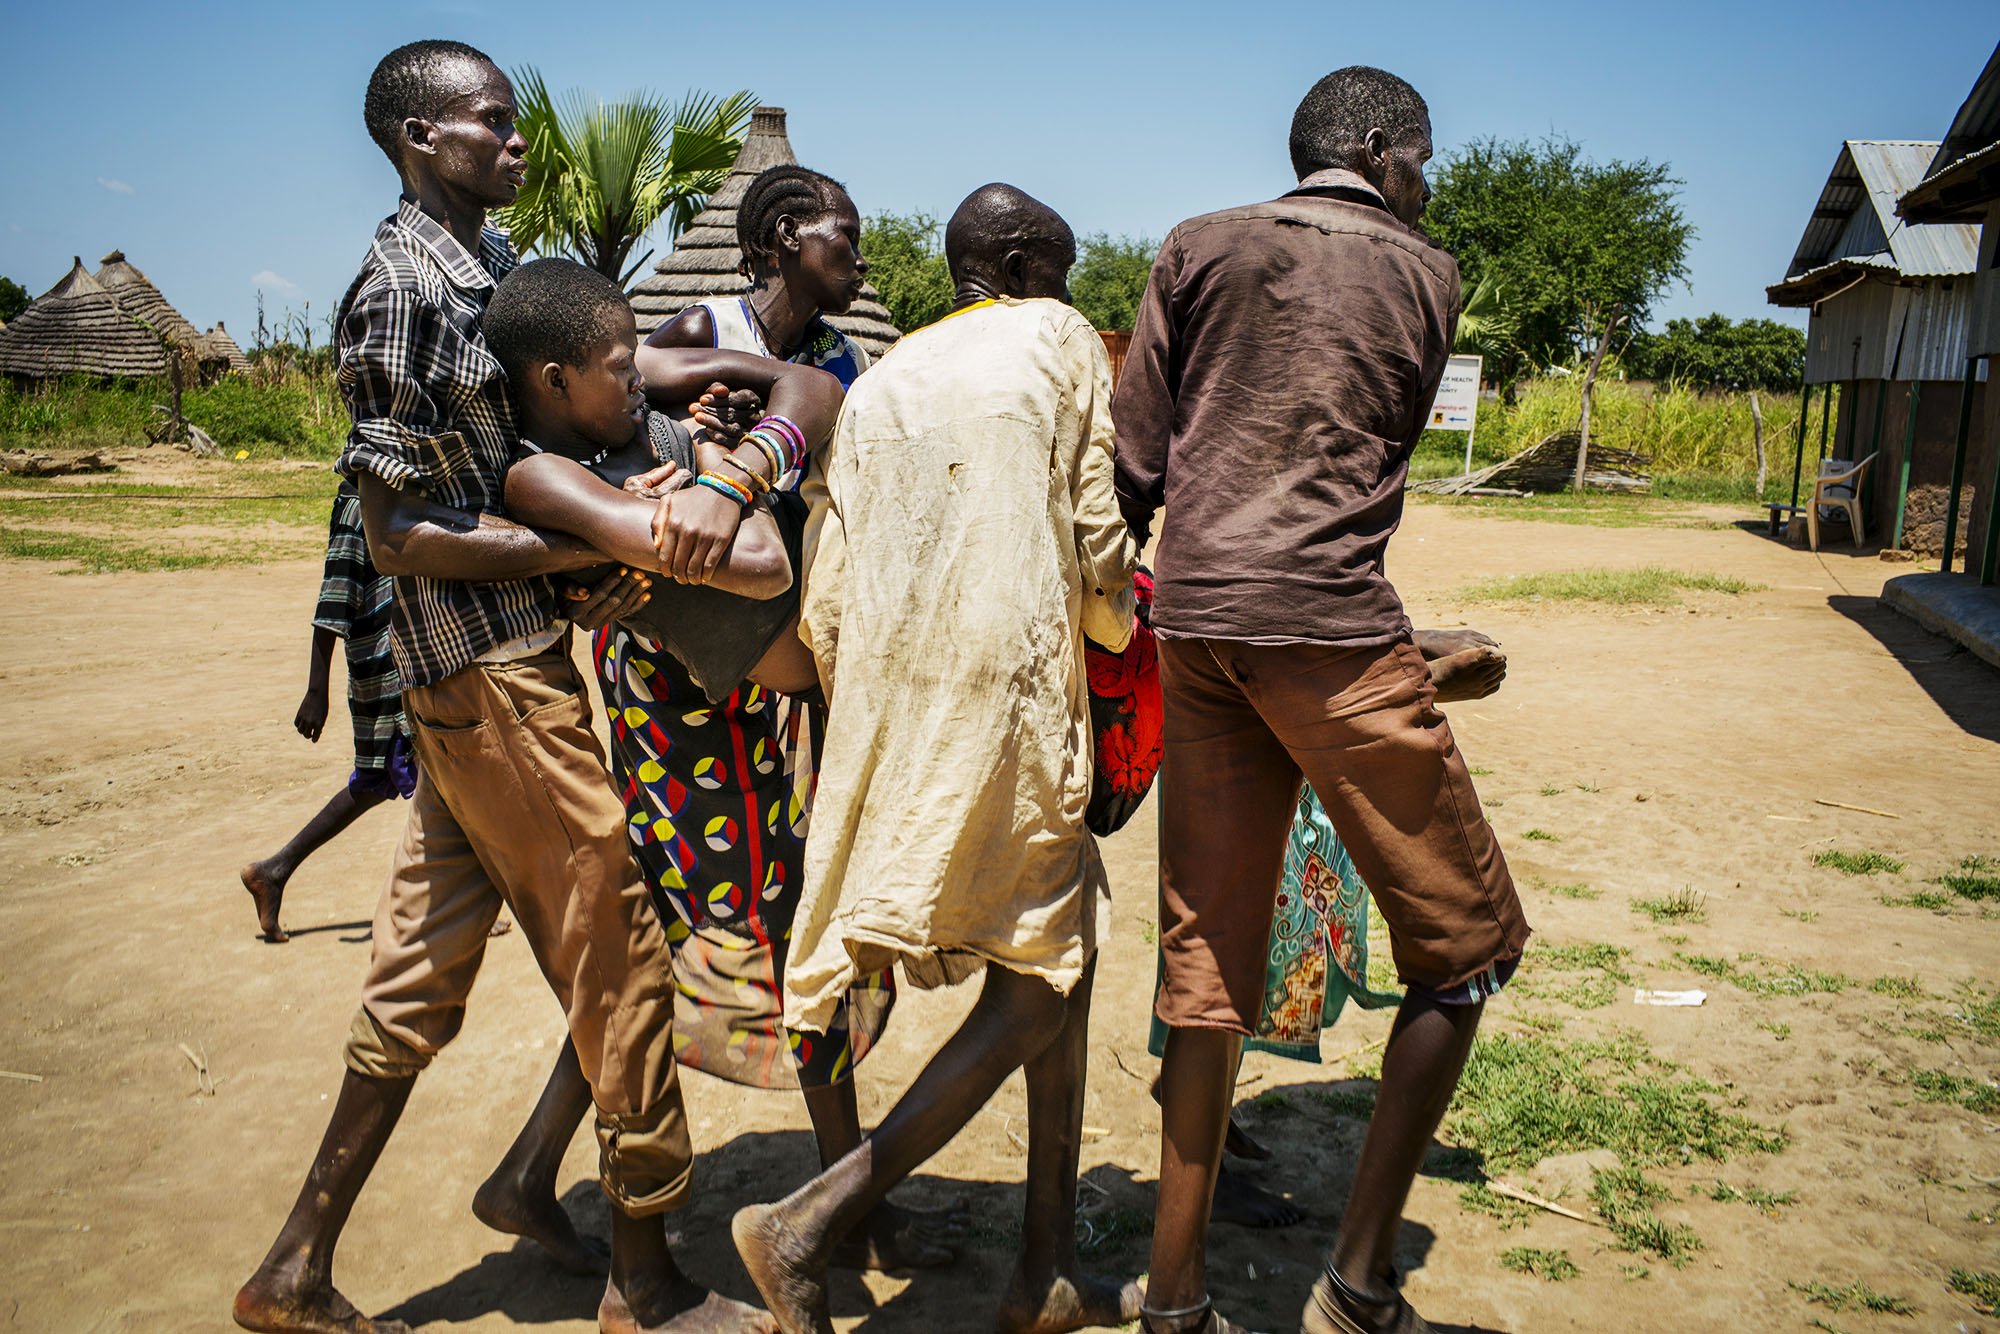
14, 298
1715, 352
601, 174
1110, 277
905, 254
1580, 247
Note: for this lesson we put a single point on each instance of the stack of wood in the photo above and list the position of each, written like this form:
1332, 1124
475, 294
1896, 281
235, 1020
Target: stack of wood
1547, 467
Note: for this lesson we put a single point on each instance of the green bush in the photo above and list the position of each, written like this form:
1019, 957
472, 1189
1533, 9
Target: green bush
78, 413
238, 412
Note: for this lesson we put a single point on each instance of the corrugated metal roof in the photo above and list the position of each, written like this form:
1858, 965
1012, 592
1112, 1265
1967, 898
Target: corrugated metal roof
1977, 123
1874, 174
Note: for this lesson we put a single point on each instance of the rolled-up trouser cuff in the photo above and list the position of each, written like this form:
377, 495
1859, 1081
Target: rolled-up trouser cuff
645, 1162
374, 1051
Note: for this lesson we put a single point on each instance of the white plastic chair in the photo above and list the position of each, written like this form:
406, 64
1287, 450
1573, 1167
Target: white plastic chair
1839, 487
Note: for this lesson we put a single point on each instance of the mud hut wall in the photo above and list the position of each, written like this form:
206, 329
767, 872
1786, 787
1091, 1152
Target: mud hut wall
1937, 435
1982, 455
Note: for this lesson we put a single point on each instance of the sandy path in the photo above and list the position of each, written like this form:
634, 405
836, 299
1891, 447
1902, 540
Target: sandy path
148, 752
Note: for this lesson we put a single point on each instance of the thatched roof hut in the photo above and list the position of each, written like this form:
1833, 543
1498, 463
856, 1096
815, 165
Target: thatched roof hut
144, 301
79, 327
705, 257
216, 346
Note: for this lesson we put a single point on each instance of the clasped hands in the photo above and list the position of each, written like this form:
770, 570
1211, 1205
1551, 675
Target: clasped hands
693, 527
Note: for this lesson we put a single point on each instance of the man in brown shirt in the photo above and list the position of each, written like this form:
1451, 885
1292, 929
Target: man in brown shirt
1285, 357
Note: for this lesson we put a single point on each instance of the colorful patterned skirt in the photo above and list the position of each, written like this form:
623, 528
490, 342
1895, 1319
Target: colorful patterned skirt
1319, 944
717, 799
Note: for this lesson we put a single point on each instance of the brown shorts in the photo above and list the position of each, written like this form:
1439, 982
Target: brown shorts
1244, 723
513, 807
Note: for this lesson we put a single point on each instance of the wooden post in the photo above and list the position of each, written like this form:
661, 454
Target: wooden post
1757, 425
1958, 464
1590, 379
1799, 456
1991, 558
1867, 496
1825, 419
1909, 450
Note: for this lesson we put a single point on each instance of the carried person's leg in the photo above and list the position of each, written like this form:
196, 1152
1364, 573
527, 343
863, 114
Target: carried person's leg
787, 1245
519, 1198
1227, 791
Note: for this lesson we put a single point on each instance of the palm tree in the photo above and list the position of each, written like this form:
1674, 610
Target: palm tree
1490, 324
601, 174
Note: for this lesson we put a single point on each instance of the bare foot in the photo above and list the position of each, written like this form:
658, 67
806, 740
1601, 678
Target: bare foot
689, 1310
509, 1205
1472, 674
783, 1265
1065, 1302
279, 1301
501, 926
1239, 1143
893, 1238
1242, 1201
268, 891
1444, 643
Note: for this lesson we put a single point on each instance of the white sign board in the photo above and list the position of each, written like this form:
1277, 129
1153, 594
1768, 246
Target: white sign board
1457, 396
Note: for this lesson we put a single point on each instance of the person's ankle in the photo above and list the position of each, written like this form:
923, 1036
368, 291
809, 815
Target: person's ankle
1377, 1291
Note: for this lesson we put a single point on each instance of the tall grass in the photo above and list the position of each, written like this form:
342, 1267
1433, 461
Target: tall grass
274, 411
1700, 444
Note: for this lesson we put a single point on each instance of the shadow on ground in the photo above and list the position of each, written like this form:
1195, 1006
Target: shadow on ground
1958, 682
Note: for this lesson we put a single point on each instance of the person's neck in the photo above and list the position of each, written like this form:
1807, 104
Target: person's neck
971, 290
449, 209
557, 436
782, 315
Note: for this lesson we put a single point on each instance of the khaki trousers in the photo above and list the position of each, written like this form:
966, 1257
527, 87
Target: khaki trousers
513, 807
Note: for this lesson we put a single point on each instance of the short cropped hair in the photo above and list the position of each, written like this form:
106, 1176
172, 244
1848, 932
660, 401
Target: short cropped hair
1335, 117
551, 310
804, 194
413, 81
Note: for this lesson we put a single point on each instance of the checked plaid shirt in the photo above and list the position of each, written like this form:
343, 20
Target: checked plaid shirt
431, 415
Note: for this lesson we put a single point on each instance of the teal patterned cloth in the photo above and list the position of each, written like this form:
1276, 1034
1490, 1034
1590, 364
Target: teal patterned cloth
1319, 943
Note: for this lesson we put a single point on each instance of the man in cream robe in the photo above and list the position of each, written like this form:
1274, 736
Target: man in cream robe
965, 537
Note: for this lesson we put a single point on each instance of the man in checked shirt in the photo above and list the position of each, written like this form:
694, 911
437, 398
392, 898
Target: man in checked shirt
513, 805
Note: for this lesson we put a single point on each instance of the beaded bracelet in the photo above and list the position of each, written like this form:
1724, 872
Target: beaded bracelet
777, 442
716, 482
788, 431
772, 452
756, 479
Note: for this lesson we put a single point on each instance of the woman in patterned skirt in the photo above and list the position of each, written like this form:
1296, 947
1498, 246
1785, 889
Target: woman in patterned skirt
719, 792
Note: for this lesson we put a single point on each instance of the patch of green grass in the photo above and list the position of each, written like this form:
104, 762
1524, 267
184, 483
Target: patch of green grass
1683, 905
99, 555
1976, 878
1921, 898
1272, 1100
1972, 1094
1625, 1197
1593, 510
1579, 891
1541, 836
1604, 966
1478, 1197
1857, 863
1149, 931
1979, 1013
1633, 1273
1764, 1201
1479, 771
1588, 787
1354, 1104
1549, 1266
1856, 1296
1782, 1032
1982, 1285
1524, 1098
1648, 586
1551, 790
1791, 980
1799, 915
1906, 987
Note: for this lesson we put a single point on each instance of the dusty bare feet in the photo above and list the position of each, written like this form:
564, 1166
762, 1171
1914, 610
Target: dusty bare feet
783, 1265
281, 1301
1242, 1201
507, 1204
1444, 643
1065, 1302
1239, 1143
1472, 674
893, 1238
268, 892
686, 1310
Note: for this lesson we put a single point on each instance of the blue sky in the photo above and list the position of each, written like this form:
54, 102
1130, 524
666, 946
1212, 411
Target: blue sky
221, 146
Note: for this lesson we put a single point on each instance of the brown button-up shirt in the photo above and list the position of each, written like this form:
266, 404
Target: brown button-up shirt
1282, 367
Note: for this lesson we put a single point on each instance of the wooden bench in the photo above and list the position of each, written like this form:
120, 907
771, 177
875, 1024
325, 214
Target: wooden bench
1780, 514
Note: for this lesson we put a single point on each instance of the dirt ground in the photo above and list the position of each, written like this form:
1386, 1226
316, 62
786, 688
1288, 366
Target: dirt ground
147, 752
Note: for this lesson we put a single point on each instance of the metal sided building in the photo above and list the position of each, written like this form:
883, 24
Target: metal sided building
1891, 309
1961, 186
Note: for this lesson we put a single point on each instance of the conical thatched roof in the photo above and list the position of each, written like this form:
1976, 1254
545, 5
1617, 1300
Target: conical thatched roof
217, 346
140, 298
705, 258
79, 327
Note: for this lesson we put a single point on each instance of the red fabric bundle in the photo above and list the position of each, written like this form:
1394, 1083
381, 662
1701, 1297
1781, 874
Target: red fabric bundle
1126, 714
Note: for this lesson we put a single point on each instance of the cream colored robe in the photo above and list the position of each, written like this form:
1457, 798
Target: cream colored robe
964, 538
